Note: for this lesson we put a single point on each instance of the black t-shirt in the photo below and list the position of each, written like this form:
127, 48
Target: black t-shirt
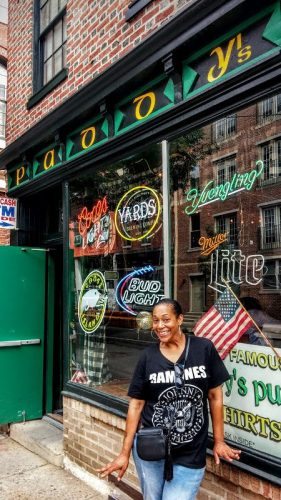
153, 381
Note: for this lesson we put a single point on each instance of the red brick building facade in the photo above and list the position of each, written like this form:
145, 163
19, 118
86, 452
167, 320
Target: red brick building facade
151, 101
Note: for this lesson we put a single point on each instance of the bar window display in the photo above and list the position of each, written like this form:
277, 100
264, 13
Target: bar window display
229, 282
116, 257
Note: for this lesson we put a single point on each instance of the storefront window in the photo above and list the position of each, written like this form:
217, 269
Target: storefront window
116, 257
226, 234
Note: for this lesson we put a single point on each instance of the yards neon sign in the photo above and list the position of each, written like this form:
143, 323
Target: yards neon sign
137, 213
135, 291
211, 193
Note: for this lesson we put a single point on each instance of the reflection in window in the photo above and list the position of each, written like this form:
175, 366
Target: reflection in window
269, 109
224, 128
195, 230
225, 169
272, 275
271, 236
116, 252
271, 155
228, 224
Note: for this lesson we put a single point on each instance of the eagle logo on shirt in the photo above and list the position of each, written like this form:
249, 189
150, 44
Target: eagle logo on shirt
184, 408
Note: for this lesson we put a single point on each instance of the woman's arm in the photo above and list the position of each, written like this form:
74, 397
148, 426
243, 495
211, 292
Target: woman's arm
221, 449
132, 422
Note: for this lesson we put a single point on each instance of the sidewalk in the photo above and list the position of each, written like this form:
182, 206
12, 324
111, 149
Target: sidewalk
26, 476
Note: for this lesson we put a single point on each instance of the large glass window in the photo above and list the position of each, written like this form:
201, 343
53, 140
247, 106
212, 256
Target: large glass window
237, 249
116, 255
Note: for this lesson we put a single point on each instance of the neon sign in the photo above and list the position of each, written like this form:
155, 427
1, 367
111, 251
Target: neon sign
211, 193
96, 230
235, 268
86, 218
210, 244
137, 213
133, 290
92, 302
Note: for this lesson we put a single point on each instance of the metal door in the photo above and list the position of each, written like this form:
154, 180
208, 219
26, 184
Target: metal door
22, 326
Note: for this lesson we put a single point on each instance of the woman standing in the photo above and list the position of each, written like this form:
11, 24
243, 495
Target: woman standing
170, 388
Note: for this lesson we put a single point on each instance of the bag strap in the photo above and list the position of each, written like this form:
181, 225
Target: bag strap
168, 467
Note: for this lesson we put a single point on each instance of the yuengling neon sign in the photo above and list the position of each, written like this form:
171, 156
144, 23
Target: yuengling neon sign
212, 193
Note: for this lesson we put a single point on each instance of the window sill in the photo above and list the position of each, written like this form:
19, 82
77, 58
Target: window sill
135, 8
62, 75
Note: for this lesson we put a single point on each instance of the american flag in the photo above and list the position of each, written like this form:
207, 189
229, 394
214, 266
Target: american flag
224, 323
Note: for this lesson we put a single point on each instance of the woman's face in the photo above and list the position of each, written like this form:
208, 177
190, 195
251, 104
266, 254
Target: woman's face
166, 323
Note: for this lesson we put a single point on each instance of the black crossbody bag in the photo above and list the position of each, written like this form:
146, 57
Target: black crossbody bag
153, 444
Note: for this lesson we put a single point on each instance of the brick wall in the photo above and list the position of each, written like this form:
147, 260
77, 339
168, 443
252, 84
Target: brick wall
97, 36
93, 437
4, 233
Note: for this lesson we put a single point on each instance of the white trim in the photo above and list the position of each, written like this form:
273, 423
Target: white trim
269, 139
91, 480
228, 155
166, 219
270, 203
226, 213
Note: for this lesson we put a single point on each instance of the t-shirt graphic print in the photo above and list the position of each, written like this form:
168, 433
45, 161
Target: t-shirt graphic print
184, 408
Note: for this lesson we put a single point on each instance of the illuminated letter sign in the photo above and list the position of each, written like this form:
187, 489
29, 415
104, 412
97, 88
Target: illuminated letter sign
212, 193
157, 96
235, 45
227, 55
47, 160
208, 245
234, 267
134, 290
150, 97
88, 137
137, 213
92, 302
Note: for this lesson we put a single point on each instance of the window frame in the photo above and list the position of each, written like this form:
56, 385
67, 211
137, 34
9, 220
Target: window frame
224, 123
135, 7
40, 89
277, 266
274, 103
273, 148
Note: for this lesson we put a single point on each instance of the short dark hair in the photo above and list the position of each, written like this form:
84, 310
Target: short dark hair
174, 304
250, 303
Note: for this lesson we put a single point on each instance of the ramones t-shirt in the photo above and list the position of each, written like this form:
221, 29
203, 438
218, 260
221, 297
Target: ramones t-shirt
154, 382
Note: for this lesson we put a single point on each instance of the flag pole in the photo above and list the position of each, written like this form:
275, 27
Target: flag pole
257, 327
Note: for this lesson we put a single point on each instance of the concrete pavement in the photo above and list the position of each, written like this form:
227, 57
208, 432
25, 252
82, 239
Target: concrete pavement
26, 476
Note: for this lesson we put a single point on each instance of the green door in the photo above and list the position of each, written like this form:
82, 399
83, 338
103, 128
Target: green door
22, 326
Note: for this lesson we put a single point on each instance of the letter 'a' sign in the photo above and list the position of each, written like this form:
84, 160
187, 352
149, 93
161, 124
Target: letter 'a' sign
8, 213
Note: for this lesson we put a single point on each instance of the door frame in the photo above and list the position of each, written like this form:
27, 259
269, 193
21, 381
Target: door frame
196, 275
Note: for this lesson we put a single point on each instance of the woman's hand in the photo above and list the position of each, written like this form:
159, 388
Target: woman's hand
222, 450
120, 463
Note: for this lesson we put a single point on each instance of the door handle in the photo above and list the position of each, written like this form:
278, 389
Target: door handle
18, 343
